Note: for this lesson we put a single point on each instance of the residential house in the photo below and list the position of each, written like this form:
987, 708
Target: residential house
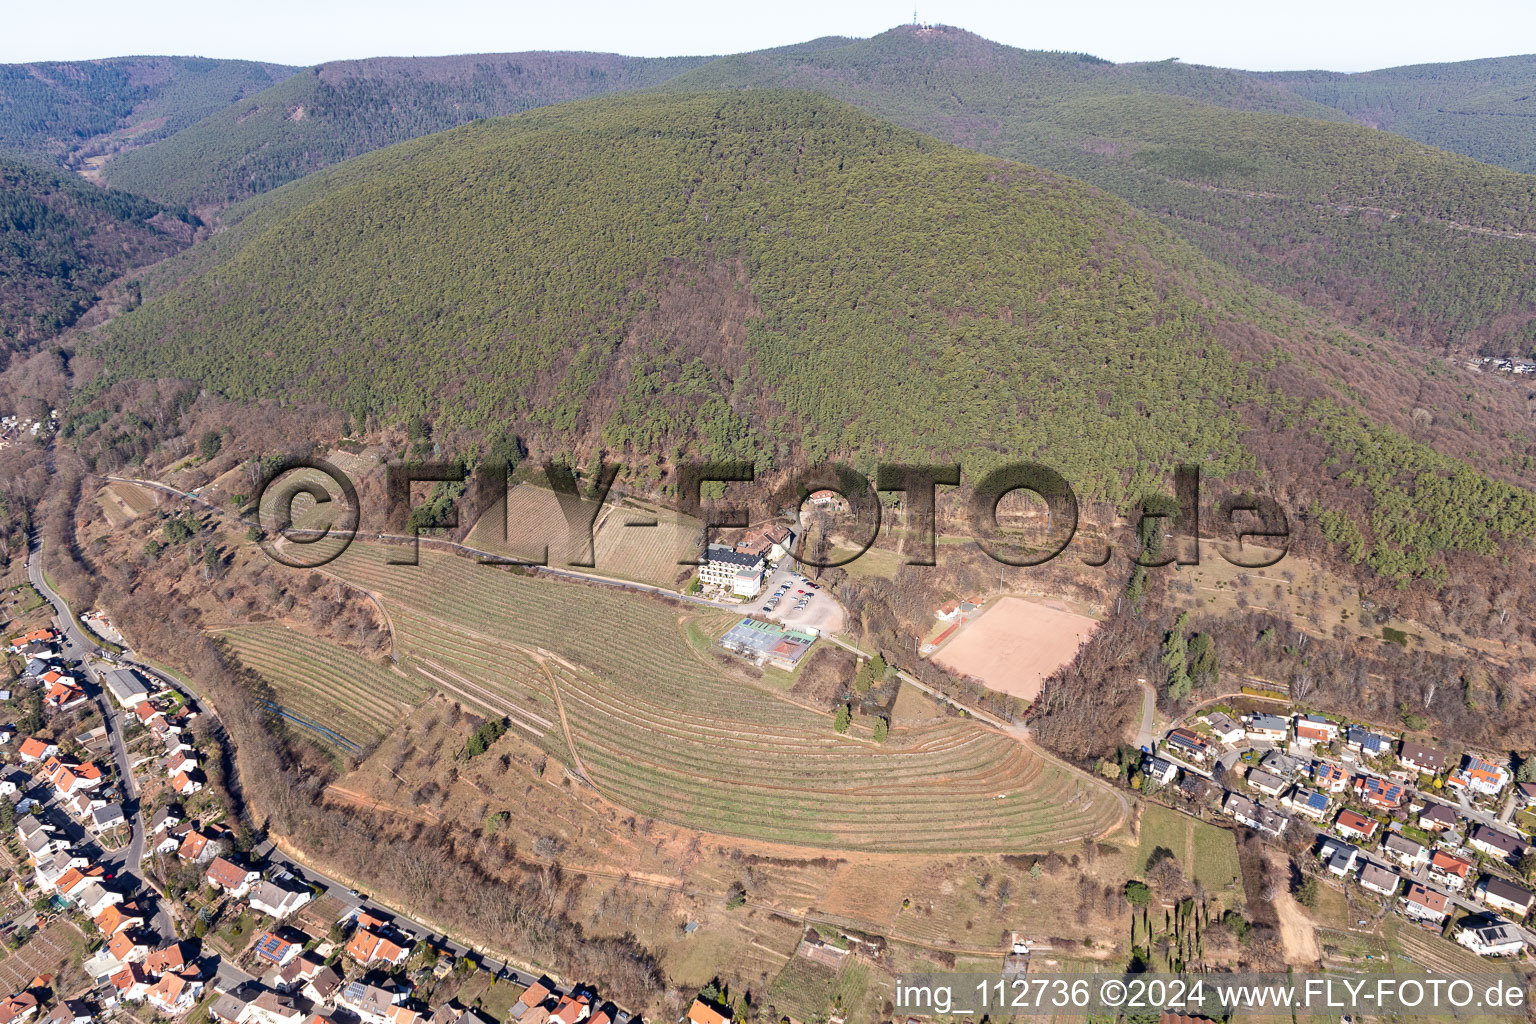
93, 898
175, 993
533, 997
1525, 792
107, 816
1356, 827
235, 879
126, 949
1187, 743
1264, 728
1315, 729
147, 713
1505, 895
1329, 777
17, 1008
171, 839
71, 1011
41, 635
175, 957
166, 817
118, 917
1421, 757
372, 943
1479, 777
1438, 818
183, 762
323, 986
200, 847
52, 871
1224, 728
1405, 851
298, 972
230, 1007
1306, 802
1422, 903
64, 694
1272, 823
1158, 769
1368, 743
131, 983
82, 804
1338, 856
702, 1013
1269, 785
33, 749
74, 881
1490, 938
271, 1008
67, 778
38, 838
278, 900
371, 1003
1489, 840
1244, 809
1379, 793
571, 1009
1450, 871
273, 948
1379, 879
187, 783
1284, 765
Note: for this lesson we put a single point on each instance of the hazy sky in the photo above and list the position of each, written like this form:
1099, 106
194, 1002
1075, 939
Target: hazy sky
1344, 35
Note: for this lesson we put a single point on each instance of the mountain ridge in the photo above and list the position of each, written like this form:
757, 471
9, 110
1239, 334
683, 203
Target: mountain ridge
873, 293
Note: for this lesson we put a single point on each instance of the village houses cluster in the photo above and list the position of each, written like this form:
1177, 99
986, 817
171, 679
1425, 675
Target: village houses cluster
280, 959
1398, 816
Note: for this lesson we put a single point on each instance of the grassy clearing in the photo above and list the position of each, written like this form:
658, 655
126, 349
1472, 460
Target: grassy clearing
663, 732
1204, 851
645, 554
346, 693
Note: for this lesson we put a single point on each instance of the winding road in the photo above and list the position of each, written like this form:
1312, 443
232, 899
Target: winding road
78, 648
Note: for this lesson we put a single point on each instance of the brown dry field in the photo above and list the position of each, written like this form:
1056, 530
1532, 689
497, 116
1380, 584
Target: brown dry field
1015, 645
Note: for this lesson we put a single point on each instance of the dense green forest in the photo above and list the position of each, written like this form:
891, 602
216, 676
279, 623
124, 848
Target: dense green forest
1482, 108
1353, 221
328, 113
61, 239
777, 277
1264, 173
61, 111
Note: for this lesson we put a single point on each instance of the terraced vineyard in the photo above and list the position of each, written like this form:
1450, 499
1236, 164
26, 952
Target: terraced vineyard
340, 696
659, 730
620, 547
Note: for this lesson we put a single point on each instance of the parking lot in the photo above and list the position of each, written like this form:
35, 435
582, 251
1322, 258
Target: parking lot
820, 612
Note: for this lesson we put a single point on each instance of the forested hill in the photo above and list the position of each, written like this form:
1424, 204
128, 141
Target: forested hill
329, 113
66, 111
61, 239
1367, 226
778, 277
1482, 108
